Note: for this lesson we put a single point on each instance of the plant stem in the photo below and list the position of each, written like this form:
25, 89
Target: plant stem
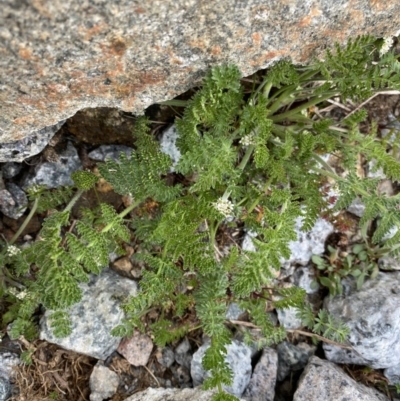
74, 200
130, 208
302, 332
11, 281
321, 161
267, 89
122, 214
360, 191
255, 203
109, 226
26, 221
328, 174
280, 101
213, 233
304, 106
287, 91
246, 157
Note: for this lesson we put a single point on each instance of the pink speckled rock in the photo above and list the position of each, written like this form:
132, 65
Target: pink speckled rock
136, 349
58, 57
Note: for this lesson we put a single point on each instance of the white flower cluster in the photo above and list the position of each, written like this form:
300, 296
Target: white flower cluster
35, 189
247, 140
224, 206
386, 46
13, 250
22, 294
19, 295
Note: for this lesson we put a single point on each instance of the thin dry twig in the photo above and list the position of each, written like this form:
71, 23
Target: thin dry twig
219, 255
325, 340
342, 106
152, 375
70, 231
393, 92
304, 333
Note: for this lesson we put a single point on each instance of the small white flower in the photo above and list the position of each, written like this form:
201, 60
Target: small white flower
35, 189
224, 206
13, 291
386, 46
247, 140
13, 250
21, 295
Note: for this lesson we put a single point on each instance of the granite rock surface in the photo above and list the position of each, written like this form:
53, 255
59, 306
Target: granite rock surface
136, 349
262, 383
169, 394
8, 360
239, 361
323, 380
93, 318
373, 317
292, 357
59, 57
56, 173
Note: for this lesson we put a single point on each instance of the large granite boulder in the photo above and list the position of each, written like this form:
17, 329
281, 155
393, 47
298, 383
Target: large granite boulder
58, 57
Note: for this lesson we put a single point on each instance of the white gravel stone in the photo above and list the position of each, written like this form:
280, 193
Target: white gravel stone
239, 360
234, 311
8, 360
29, 146
308, 243
247, 244
168, 144
373, 317
165, 356
103, 383
288, 318
389, 263
305, 277
357, 207
373, 172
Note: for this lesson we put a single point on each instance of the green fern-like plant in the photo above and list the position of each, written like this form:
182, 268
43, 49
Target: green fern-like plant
250, 161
